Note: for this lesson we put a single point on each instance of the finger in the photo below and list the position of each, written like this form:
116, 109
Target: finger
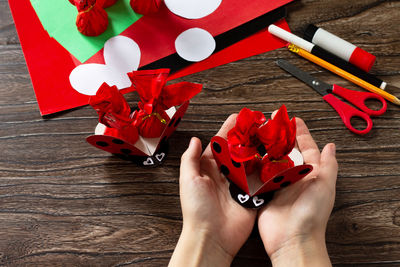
190, 160
223, 132
307, 145
274, 113
329, 167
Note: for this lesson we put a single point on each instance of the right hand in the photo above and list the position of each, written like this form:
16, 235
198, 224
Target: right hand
293, 225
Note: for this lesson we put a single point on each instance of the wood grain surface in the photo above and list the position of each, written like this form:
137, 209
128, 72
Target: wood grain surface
65, 203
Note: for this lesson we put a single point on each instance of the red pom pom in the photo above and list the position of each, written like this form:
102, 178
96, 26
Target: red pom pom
92, 19
272, 168
151, 125
145, 7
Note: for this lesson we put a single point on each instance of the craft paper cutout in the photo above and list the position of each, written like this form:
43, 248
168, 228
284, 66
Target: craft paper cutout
195, 44
258, 43
141, 135
192, 9
58, 19
147, 152
224, 40
50, 64
121, 55
247, 186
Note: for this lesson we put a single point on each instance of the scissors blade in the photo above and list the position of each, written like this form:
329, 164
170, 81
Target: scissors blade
318, 85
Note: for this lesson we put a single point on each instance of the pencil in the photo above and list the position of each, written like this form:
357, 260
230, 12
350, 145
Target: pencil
344, 74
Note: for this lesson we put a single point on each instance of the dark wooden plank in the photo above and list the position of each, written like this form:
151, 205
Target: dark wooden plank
63, 202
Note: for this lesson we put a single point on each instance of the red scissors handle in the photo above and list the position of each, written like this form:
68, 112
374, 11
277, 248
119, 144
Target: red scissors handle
358, 99
347, 112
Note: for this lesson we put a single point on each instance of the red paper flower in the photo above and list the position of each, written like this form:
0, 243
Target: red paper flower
92, 19
145, 7
156, 98
278, 135
242, 139
112, 107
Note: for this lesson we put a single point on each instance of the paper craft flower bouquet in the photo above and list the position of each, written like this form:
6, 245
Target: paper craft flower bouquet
259, 157
141, 135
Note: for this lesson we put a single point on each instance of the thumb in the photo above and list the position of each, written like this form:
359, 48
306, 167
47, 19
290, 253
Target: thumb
190, 160
328, 164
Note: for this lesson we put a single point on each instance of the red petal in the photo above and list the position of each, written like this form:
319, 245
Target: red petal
178, 93
111, 106
278, 135
241, 153
149, 83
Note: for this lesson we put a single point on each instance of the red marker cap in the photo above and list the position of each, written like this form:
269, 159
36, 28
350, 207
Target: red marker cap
362, 59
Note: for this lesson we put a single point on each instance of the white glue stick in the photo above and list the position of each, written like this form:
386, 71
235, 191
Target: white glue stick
339, 47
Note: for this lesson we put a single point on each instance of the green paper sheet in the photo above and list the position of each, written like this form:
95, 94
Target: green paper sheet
58, 19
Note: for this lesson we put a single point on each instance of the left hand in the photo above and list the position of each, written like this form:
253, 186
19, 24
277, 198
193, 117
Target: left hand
214, 225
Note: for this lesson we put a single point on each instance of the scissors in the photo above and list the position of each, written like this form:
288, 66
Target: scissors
345, 111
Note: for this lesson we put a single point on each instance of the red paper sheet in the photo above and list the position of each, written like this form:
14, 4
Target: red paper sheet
50, 64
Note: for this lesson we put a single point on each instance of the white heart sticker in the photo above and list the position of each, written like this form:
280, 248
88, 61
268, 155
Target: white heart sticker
242, 198
258, 201
148, 162
121, 54
160, 156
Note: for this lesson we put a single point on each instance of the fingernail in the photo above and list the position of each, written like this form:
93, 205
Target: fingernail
192, 140
333, 149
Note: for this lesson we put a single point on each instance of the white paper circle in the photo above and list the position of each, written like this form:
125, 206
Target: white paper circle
122, 54
195, 44
297, 157
192, 9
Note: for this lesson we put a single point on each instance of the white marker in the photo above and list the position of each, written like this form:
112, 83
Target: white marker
291, 38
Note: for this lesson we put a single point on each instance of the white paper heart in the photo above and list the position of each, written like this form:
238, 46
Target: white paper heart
258, 201
148, 162
160, 156
121, 55
242, 198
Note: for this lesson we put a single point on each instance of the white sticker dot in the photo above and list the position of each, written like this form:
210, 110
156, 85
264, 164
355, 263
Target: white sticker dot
195, 44
192, 9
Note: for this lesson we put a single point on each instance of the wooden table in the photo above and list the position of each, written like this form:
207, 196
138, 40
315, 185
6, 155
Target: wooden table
65, 203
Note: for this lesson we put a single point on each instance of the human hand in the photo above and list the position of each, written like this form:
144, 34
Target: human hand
214, 225
293, 225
